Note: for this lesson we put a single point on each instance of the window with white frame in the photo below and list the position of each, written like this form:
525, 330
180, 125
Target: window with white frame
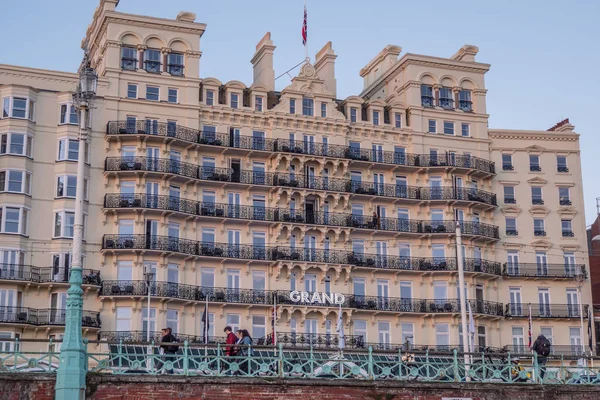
398, 120
152, 93
292, 106
16, 143
353, 112
234, 100
308, 106
210, 97
448, 127
152, 61
511, 226
63, 223
442, 335
233, 320
384, 331
173, 320
323, 109
211, 324
148, 324
258, 103
173, 95
360, 329
408, 333
567, 227
14, 181
7, 345
465, 129
259, 326
14, 219
509, 195
123, 319
375, 117
518, 339
66, 186
432, 127
68, 149
69, 114
507, 164
18, 107
132, 91
564, 196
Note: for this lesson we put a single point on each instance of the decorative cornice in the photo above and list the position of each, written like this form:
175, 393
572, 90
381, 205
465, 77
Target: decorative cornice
536, 180
541, 244
566, 212
539, 211
511, 210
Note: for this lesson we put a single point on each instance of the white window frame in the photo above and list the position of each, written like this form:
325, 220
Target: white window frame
65, 179
464, 125
398, 120
8, 112
237, 100
129, 85
65, 144
23, 223
27, 144
452, 126
376, 116
258, 103
432, 123
148, 87
169, 95
69, 113
209, 101
26, 177
63, 214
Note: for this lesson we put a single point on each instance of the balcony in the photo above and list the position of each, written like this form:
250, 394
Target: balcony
537, 201
565, 202
141, 336
568, 234
14, 272
315, 340
427, 101
538, 232
510, 200
49, 316
282, 179
212, 138
535, 168
175, 69
465, 105
515, 310
534, 270
507, 167
446, 103
512, 232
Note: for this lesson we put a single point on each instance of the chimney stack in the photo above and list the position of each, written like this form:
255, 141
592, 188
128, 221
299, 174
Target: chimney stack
325, 67
264, 74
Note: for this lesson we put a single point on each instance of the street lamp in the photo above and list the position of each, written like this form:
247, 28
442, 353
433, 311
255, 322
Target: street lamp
70, 378
149, 278
579, 280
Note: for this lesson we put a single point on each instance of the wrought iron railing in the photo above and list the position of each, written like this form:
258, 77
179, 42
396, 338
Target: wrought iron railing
298, 147
48, 316
315, 340
542, 310
176, 167
155, 336
17, 272
543, 270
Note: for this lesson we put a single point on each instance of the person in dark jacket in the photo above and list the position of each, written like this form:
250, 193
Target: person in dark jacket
169, 351
542, 347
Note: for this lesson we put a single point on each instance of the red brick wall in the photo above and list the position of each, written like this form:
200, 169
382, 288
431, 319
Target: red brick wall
595, 262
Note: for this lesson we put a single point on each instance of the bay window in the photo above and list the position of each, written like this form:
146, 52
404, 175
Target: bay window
18, 107
16, 143
15, 181
14, 219
68, 114
68, 149
66, 186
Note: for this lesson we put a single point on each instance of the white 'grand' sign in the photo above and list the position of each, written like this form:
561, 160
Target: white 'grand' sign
316, 297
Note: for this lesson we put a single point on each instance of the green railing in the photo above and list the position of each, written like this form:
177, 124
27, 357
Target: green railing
120, 358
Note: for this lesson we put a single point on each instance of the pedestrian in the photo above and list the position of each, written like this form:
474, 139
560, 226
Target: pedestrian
245, 349
542, 347
169, 351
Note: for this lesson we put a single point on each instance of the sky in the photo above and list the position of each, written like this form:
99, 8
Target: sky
544, 53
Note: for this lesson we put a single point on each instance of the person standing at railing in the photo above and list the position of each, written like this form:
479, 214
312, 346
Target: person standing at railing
542, 347
169, 351
245, 349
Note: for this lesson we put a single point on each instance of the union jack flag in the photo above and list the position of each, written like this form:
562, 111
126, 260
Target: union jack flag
530, 332
304, 29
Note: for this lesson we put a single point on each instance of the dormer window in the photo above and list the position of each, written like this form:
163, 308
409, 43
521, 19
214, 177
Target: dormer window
129, 58
398, 120
324, 110
308, 106
446, 100
258, 103
152, 61
427, 96
210, 97
234, 100
375, 117
464, 100
353, 112
292, 106
175, 64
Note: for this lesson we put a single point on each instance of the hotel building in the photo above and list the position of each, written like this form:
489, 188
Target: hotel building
236, 195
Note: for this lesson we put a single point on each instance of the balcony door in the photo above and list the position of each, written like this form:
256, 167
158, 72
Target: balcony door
359, 291
569, 262
573, 303
152, 194
541, 261
58, 308
383, 294
233, 205
382, 253
513, 262
152, 158
233, 285
435, 184
516, 308
259, 244
311, 329
310, 248
310, 177
233, 243
151, 234
8, 304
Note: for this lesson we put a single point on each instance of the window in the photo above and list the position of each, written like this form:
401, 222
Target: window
511, 226
534, 162
464, 100
152, 61
232, 320
307, 107
465, 129
66, 186
407, 330
234, 100
15, 181
375, 117
448, 128
173, 320
172, 95
567, 228
481, 341
575, 340
148, 324
152, 93
63, 224
129, 58
442, 336
561, 164
538, 227
258, 103
14, 220
132, 91
518, 339
360, 329
432, 126
323, 110
175, 64
292, 106
446, 100
68, 149
507, 164
123, 319
398, 120
259, 326
536, 195
509, 195
564, 196
17, 107
210, 97
384, 334
69, 114
16, 143
353, 112
427, 96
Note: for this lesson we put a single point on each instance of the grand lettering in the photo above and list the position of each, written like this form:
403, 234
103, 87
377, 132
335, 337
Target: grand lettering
317, 297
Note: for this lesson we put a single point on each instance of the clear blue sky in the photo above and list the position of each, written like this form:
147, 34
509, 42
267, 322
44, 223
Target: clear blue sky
545, 55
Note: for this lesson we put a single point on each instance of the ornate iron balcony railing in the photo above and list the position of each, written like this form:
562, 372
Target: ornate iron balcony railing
543, 270
30, 273
519, 310
155, 336
48, 316
142, 127
314, 340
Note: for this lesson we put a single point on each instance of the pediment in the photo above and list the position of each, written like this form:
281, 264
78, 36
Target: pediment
536, 180
535, 147
513, 246
570, 247
566, 212
541, 244
510, 209
539, 210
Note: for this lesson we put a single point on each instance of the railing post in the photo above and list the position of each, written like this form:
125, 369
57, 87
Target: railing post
371, 374
455, 361
536, 368
219, 358
280, 360
186, 359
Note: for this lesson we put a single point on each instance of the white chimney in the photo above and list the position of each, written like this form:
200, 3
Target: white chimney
264, 74
325, 67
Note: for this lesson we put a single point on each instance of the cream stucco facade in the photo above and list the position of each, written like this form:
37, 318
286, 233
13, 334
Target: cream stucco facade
243, 194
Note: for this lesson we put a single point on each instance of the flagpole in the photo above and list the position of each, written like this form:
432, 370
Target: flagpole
306, 33
275, 323
530, 333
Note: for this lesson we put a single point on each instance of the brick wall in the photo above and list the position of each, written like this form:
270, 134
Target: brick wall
41, 387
